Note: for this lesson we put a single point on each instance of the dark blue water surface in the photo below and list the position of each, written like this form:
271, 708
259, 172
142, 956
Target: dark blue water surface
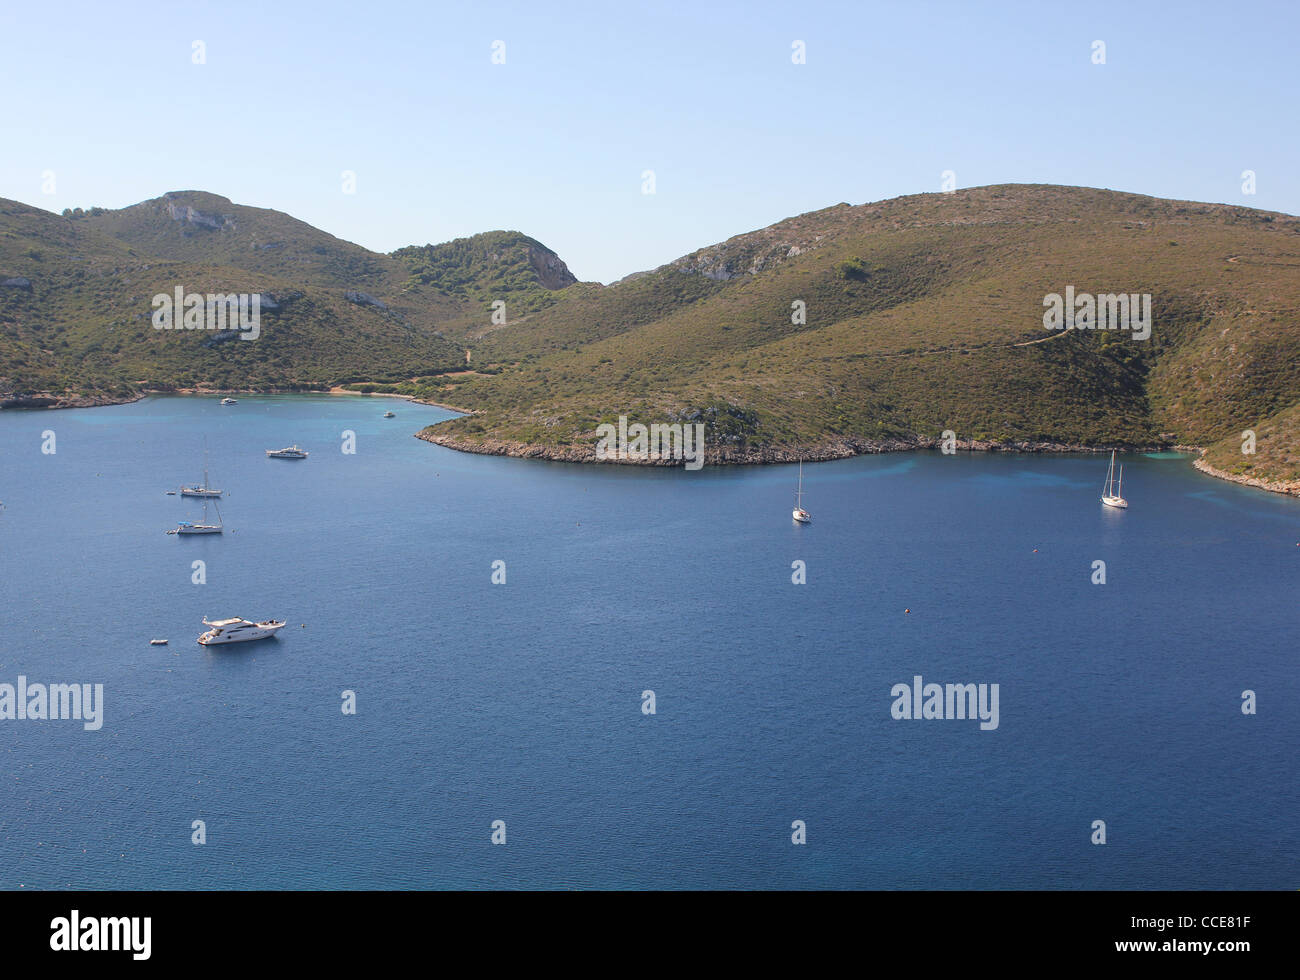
522, 702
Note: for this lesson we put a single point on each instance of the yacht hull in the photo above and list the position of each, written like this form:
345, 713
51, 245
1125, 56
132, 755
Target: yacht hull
240, 634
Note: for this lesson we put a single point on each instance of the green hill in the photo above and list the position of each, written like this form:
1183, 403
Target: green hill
497, 266
76, 323
923, 314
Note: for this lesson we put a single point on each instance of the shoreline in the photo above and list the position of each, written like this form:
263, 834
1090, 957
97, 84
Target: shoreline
845, 448
47, 400
840, 449
1290, 488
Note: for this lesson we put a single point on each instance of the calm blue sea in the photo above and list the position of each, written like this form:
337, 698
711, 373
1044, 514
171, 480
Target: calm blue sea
522, 702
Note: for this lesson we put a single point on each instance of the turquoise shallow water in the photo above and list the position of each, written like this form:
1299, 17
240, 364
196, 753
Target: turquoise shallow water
522, 702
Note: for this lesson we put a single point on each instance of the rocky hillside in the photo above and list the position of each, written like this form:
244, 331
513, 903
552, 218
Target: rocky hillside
499, 266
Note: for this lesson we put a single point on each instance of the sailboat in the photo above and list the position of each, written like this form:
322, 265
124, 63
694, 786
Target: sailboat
1112, 494
799, 514
204, 489
203, 527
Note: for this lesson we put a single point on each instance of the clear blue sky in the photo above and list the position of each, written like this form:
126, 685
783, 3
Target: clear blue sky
553, 143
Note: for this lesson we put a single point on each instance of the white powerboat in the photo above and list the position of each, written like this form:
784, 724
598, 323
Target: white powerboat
228, 401
289, 452
238, 630
1112, 494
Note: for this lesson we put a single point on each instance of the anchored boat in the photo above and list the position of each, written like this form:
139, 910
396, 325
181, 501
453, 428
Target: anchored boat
1112, 494
202, 527
204, 489
799, 514
238, 630
289, 452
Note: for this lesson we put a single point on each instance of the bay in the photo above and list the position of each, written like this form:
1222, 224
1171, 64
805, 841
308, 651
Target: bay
522, 702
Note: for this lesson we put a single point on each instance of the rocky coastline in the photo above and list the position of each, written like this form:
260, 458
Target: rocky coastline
1288, 487
822, 452
730, 455
46, 399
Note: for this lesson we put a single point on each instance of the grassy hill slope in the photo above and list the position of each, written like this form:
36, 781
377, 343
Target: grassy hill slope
922, 314
76, 319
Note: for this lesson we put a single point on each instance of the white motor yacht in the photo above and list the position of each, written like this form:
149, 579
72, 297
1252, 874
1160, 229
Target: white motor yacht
238, 630
289, 452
